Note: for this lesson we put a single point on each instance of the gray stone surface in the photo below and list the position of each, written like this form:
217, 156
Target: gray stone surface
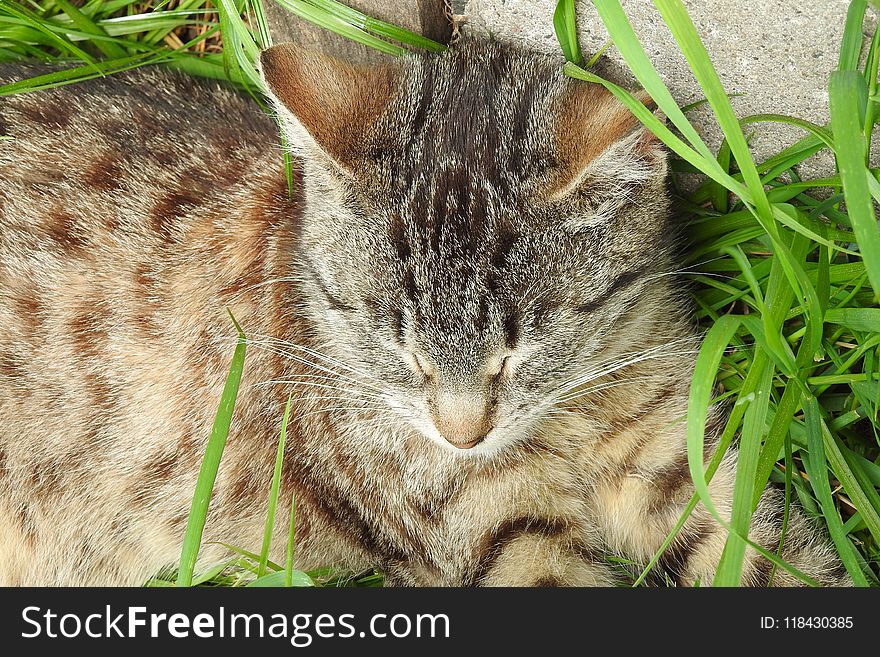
779, 54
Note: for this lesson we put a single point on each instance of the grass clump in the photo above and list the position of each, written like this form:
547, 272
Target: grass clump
787, 286
785, 271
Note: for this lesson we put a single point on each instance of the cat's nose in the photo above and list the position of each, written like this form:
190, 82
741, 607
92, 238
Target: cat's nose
465, 438
462, 420
465, 443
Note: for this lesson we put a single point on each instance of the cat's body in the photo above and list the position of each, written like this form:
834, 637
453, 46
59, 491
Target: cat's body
134, 210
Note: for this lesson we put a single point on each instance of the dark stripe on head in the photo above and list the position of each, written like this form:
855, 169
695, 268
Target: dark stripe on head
511, 329
396, 315
332, 300
397, 233
426, 95
521, 124
618, 285
543, 307
505, 240
411, 290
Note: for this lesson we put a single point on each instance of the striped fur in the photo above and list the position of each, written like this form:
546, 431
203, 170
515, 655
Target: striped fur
476, 250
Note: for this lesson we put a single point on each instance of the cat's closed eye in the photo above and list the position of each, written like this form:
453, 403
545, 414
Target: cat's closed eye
421, 366
501, 368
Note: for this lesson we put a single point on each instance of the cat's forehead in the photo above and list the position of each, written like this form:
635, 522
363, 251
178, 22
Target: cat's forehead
482, 111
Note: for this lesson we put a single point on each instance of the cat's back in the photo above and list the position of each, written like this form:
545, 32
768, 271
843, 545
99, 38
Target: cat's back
134, 140
115, 183
124, 201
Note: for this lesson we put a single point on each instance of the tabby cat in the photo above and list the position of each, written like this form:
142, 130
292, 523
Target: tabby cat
464, 288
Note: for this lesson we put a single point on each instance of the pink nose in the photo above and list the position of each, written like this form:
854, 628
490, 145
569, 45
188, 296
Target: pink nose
462, 420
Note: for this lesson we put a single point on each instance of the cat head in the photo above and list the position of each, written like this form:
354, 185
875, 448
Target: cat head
478, 229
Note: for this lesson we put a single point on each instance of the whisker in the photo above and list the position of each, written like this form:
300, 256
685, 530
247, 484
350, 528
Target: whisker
316, 354
299, 359
324, 386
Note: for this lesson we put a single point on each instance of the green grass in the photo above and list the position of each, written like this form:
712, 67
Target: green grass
785, 272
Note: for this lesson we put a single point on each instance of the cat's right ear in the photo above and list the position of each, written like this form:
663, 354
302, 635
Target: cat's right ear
326, 106
600, 143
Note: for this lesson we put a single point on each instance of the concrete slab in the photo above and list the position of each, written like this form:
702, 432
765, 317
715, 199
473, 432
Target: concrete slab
778, 54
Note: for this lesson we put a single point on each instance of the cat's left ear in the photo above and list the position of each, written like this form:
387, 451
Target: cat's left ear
601, 145
326, 106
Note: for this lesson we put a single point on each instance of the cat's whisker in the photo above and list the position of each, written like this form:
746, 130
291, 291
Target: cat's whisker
608, 365
593, 375
573, 387
268, 340
321, 386
299, 359
682, 272
552, 408
310, 351
602, 386
327, 409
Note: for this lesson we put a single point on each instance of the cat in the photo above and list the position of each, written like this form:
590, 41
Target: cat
464, 288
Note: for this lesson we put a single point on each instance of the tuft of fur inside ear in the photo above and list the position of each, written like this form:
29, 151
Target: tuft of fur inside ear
326, 106
601, 144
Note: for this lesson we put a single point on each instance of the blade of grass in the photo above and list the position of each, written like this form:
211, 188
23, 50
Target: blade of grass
627, 43
846, 89
109, 48
34, 20
291, 534
273, 493
851, 44
729, 572
374, 25
699, 398
565, 25
210, 463
264, 36
701, 392
816, 466
297, 578
88, 72
248, 555
335, 24
850, 482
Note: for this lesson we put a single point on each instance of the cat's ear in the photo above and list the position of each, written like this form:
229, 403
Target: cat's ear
602, 146
326, 106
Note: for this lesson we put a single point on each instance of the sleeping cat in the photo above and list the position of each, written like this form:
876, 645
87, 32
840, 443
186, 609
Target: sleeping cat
464, 292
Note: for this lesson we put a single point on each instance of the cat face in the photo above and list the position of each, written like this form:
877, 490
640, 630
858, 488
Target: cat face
478, 229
